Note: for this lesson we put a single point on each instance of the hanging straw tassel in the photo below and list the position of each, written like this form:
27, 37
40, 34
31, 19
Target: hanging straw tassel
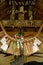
8, 42
17, 51
30, 51
10, 49
25, 50
28, 47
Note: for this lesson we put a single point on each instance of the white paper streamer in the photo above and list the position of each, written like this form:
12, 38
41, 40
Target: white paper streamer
35, 49
37, 41
4, 47
3, 40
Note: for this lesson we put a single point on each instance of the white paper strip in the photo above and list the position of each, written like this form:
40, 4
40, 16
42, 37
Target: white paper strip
3, 40
35, 49
4, 47
37, 41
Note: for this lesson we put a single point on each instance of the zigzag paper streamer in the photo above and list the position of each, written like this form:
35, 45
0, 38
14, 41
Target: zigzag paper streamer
4, 47
35, 49
3, 40
37, 41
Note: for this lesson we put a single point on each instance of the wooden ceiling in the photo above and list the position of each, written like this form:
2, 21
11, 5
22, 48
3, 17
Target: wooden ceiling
5, 10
